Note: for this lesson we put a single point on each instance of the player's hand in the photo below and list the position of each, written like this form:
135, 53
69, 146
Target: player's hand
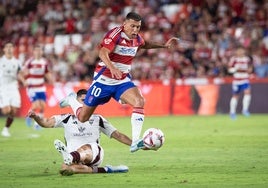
31, 114
171, 42
25, 84
116, 73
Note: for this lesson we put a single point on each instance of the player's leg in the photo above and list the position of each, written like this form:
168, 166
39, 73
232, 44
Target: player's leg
133, 97
85, 153
10, 105
82, 112
10, 112
6, 111
32, 98
92, 155
88, 161
67, 170
62, 149
234, 100
246, 101
233, 106
41, 103
97, 94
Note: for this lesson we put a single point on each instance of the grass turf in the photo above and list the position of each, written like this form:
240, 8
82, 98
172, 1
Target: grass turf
199, 151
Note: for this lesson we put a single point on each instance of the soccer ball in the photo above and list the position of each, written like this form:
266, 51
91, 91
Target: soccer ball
153, 138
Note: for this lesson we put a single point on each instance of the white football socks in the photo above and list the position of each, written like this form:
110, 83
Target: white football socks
246, 102
136, 123
233, 105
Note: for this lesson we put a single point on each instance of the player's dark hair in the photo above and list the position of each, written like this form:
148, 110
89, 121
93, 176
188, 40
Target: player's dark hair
38, 46
81, 92
133, 16
8, 42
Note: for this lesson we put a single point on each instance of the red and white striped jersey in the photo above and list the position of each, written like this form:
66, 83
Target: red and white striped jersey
37, 69
241, 66
123, 50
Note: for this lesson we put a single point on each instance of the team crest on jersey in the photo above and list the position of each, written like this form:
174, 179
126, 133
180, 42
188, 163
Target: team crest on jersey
81, 129
107, 41
90, 99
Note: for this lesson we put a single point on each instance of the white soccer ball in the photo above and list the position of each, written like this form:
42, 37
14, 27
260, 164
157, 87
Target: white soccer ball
153, 138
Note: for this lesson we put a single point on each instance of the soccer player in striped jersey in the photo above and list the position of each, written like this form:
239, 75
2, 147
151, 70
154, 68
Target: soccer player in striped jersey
112, 77
241, 67
37, 73
83, 153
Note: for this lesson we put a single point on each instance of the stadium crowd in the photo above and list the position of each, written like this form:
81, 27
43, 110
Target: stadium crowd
70, 31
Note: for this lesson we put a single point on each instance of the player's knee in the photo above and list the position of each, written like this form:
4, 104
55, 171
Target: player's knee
139, 102
6, 111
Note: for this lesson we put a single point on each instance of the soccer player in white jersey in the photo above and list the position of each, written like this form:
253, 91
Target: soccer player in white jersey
10, 74
112, 77
241, 67
83, 153
37, 73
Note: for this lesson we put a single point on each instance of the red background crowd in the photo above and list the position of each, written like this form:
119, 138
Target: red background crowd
70, 31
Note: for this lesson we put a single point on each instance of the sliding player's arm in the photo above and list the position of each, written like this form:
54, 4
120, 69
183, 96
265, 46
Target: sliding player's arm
43, 122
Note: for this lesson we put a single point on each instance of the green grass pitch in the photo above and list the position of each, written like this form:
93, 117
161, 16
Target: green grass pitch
199, 151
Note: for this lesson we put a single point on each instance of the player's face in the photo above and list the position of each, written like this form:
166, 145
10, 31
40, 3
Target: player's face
132, 28
81, 98
37, 52
240, 52
9, 49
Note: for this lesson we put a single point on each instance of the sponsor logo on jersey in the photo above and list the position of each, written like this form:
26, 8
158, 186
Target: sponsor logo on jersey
127, 51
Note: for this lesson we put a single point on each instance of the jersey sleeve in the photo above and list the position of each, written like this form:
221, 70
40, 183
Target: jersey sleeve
26, 64
108, 43
107, 128
61, 120
111, 38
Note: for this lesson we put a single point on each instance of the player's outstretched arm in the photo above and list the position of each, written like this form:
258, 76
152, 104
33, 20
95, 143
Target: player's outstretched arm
152, 45
43, 122
120, 137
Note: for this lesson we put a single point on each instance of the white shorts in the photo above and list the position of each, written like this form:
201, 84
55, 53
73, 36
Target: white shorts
10, 97
97, 155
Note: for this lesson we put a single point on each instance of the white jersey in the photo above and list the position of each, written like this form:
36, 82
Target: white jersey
77, 133
9, 69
